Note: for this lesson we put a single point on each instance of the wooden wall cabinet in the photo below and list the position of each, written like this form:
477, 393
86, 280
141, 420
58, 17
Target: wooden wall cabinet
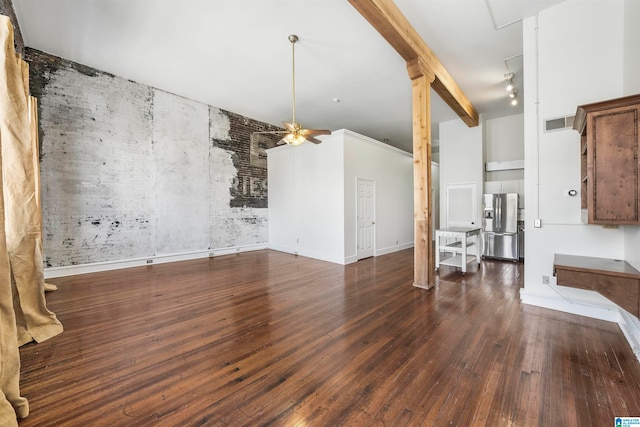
610, 138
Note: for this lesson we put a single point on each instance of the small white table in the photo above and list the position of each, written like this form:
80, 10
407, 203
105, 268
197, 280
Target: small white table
464, 250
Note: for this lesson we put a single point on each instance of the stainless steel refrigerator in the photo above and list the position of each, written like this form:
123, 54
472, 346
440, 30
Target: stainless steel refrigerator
500, 226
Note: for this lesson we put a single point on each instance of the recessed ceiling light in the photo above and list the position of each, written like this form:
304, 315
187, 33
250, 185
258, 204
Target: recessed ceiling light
336, 99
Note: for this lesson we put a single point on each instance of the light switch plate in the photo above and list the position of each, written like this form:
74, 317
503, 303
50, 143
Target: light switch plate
537, 223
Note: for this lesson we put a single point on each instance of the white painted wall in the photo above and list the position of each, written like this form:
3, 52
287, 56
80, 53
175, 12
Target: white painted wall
631, 71
392, 171
504, 141
461, 160
282, 211
312, 196
320, 200
560, 47
631, 86
306, 199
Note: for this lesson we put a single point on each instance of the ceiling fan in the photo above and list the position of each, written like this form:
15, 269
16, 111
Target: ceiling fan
294, 133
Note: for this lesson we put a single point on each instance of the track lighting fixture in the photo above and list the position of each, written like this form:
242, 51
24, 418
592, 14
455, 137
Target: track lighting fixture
513, 92
509, 78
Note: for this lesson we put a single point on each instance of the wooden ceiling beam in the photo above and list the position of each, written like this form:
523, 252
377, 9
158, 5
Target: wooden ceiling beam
389, 21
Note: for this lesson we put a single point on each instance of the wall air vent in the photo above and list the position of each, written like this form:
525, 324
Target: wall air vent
559, 123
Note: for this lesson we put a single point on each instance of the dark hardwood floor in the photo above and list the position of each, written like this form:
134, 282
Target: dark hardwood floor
266, 338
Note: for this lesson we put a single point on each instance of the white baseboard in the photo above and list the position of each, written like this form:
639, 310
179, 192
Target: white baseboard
553, 302
629, 324
307, 254
349, 259
73, 270
379, 252
395, 248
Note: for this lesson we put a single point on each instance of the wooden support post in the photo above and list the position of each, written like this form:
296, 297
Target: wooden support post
422, 76
426, 71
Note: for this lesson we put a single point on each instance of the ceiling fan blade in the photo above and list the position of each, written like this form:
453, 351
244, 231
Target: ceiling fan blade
290, 127
312, 139
315, 131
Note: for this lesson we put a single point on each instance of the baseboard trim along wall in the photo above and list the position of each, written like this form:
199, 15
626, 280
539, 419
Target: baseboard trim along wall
629, 324
307, 254
344, 261
394, 248
73, 270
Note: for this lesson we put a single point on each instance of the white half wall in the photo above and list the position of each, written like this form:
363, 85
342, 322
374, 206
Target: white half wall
392, 171
306, 199
282, 209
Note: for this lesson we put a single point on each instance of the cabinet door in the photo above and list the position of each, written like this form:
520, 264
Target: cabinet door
612, 144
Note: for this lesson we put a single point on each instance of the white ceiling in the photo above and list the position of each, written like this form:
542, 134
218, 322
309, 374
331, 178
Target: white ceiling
235, 55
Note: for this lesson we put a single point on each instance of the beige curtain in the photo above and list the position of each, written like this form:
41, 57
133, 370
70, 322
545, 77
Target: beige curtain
24, 316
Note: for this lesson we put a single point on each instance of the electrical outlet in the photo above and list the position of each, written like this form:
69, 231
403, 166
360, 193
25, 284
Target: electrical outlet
545, 280
149, 261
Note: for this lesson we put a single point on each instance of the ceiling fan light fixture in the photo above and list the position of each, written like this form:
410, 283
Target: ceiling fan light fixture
293, 139
294, 133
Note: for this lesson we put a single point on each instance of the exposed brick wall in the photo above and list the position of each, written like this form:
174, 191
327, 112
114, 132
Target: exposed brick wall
123, 174
249, 189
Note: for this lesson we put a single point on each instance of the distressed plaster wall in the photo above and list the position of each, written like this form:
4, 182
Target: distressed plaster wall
181, 173
129, 171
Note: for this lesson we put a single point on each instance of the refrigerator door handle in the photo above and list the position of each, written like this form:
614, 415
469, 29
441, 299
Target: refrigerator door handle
498, 212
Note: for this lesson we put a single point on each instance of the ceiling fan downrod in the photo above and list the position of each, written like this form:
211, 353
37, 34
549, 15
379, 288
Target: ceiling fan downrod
293, 39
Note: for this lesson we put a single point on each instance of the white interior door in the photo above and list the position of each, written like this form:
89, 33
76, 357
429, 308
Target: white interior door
462, 205
366, 218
